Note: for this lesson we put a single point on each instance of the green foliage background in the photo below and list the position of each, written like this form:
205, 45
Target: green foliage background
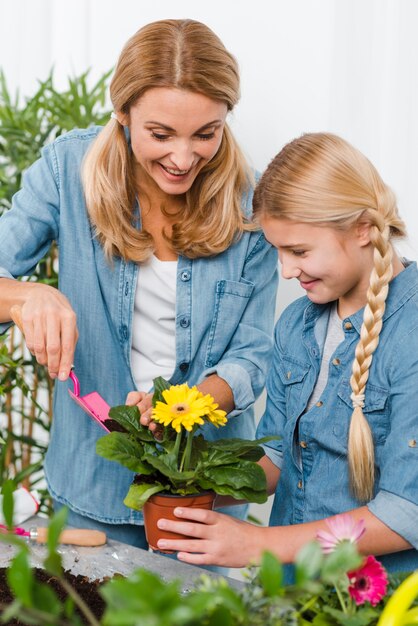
27, 124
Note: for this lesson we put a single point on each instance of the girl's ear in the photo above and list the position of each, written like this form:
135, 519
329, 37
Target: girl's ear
363, 232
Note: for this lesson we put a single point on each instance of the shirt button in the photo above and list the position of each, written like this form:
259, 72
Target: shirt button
300, 484
319, 403
348, 326
185, 276
336, 361
303, 444
288, 375
184, 322
184, 367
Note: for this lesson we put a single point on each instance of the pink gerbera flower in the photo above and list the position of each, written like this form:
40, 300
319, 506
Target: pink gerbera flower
368, 583
342, 528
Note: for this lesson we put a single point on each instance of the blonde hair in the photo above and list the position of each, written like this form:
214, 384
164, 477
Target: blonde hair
181, 54
321, 179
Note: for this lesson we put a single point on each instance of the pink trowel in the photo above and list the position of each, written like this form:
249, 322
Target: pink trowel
92, 403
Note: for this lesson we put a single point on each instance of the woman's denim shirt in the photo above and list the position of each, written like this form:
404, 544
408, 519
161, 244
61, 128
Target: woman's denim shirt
224, 322
312, 453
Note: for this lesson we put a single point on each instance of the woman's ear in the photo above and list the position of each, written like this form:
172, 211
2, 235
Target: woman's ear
123, 118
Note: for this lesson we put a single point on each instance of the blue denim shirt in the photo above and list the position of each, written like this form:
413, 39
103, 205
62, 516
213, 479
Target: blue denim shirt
312, 453
224, 322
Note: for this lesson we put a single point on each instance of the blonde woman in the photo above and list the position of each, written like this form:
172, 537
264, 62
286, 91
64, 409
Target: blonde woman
342, 391
160, 271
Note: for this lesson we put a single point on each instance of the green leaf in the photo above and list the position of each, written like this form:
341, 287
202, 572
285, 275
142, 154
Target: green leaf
344, 558
271, 574
160, 385
250, 495
124, 450
126, 416
240, 474
53, 562
145, 599
308, 562
139, 494
45, 599
20, 579
7, 491
166, 464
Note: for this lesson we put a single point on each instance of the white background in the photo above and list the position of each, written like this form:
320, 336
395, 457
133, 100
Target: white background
346, 66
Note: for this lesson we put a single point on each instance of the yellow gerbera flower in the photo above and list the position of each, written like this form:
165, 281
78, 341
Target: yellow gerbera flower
216, 416
183, 407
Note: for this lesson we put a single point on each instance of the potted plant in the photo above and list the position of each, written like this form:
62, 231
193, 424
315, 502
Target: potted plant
181, 463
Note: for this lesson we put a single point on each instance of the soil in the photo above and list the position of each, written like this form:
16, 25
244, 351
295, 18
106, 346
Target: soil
88, 590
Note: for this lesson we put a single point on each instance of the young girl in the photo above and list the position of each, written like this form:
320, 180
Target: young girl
342, 389
161, 272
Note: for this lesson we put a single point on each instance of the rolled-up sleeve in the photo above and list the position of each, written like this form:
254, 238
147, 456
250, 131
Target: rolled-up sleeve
398, 514
396, 500
29, 227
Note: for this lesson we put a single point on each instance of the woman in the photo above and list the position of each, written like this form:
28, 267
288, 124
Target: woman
160, 271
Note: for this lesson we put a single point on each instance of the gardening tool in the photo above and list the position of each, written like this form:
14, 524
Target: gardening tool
92, 403
74, 536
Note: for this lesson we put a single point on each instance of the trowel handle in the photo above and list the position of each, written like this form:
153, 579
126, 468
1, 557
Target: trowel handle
16, 315
74, 536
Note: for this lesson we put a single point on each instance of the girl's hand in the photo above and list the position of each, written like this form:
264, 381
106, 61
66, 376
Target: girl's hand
49, 326
217, 539
143, 401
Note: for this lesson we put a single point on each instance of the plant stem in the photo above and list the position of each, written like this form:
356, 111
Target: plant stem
79, 602
185, 462
341, 599
177, 447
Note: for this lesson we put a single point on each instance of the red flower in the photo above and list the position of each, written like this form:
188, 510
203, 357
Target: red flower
368, 583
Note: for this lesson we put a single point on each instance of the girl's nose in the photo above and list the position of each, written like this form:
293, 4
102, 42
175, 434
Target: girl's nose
290, 270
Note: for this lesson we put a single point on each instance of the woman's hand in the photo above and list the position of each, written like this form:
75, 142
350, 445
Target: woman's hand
217, 539
49, 326
143, 401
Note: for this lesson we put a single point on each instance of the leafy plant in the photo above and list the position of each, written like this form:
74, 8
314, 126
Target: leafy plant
26, 126
182, 461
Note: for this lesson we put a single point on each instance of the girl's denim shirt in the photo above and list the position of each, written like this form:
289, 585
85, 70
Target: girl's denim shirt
224, 322
312, 453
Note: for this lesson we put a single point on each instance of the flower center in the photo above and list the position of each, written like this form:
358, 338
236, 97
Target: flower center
362, 583
180, 408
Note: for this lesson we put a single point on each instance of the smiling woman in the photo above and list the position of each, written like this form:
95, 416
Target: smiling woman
153, 211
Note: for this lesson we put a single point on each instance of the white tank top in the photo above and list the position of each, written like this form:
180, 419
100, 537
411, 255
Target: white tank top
154, 326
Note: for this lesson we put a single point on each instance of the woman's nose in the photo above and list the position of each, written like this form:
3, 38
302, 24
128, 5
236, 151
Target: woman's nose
182, 156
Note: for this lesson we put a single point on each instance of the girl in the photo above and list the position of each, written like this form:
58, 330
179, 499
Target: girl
161, 272
342, 391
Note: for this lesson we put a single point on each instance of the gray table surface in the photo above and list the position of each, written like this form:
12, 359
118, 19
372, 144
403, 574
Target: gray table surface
113, 558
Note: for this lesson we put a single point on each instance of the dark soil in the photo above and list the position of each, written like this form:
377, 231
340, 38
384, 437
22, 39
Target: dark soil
86, 589
113, 426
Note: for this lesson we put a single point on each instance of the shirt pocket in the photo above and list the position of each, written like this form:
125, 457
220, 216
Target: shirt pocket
292, 373
376, 410
231, 300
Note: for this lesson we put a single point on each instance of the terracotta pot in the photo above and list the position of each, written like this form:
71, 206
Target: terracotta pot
162, 505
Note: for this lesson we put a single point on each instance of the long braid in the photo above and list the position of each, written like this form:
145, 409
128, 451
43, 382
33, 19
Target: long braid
360, 440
